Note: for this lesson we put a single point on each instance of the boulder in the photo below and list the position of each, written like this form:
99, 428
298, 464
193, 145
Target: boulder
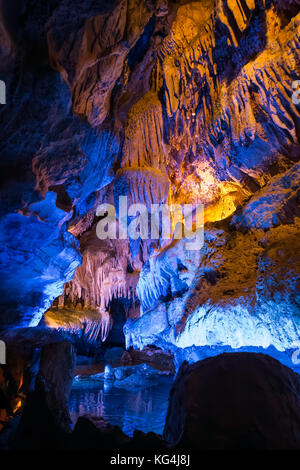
234, 401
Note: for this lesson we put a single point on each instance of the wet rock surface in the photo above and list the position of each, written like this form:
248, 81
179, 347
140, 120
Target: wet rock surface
128, 377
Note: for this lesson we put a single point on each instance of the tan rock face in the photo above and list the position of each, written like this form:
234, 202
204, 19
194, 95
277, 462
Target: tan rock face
91, 57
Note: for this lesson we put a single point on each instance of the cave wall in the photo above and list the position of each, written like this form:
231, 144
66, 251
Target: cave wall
159, 101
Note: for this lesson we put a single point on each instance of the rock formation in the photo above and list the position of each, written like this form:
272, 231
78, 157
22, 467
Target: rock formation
179, 102
161, 102
227, 403
35, 383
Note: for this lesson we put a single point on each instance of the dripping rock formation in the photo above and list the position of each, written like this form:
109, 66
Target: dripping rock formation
159, 102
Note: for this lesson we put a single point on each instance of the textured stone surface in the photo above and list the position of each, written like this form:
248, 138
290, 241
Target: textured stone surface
178, 102
245, 292
163, 102
225, 128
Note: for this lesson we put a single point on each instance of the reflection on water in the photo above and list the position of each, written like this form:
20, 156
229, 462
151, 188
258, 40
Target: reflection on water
144, 409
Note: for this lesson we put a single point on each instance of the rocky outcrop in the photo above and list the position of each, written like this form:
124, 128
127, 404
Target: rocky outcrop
90, 49
36, 382
234, 401
244, 293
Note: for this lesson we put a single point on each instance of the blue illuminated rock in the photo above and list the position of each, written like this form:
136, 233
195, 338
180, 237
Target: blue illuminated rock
190, 102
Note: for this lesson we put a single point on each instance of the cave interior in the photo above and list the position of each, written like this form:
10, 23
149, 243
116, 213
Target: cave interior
116, 330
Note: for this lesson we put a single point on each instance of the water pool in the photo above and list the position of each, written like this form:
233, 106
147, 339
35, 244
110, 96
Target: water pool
143, 408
